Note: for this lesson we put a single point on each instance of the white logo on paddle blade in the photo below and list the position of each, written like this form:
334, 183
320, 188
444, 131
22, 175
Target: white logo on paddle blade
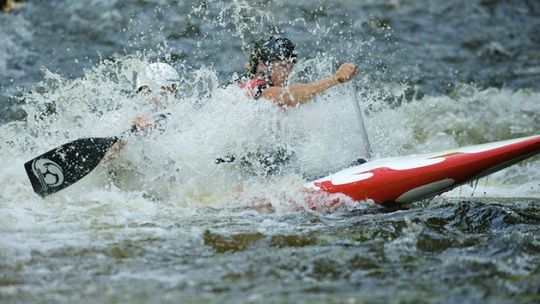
49, 173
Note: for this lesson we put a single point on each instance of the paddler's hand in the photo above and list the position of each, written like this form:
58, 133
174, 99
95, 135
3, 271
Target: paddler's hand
346, 72
113, 151
142, 124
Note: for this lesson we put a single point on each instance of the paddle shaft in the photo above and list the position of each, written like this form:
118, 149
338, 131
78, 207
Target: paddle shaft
360, 119
361, 122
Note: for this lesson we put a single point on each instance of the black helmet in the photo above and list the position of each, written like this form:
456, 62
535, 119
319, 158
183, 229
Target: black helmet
277, 48
271, 49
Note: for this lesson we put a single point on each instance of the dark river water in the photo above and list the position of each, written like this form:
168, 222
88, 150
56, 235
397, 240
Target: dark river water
172, 226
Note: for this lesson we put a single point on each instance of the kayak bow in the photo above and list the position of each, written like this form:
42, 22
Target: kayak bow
415, 177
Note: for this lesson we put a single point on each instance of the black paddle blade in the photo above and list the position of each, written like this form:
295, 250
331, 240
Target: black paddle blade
65, 165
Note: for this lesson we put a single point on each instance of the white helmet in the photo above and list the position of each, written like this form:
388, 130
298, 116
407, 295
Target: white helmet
157, 75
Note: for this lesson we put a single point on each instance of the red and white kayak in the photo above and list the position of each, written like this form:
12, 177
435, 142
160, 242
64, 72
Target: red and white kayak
415, 177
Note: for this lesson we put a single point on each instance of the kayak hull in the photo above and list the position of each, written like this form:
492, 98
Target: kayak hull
411, 178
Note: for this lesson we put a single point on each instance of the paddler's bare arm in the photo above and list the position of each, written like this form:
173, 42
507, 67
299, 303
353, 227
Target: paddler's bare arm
298, 94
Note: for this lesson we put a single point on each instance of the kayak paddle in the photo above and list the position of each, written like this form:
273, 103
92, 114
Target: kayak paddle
65, 165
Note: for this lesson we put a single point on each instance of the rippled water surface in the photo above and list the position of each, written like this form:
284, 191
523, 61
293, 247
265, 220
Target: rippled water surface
164, 223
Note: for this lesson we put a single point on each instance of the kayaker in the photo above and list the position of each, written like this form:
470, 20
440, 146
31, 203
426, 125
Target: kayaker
270, 64
157, 77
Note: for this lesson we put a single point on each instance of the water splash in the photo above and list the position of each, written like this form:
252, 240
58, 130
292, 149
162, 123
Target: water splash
208, 121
